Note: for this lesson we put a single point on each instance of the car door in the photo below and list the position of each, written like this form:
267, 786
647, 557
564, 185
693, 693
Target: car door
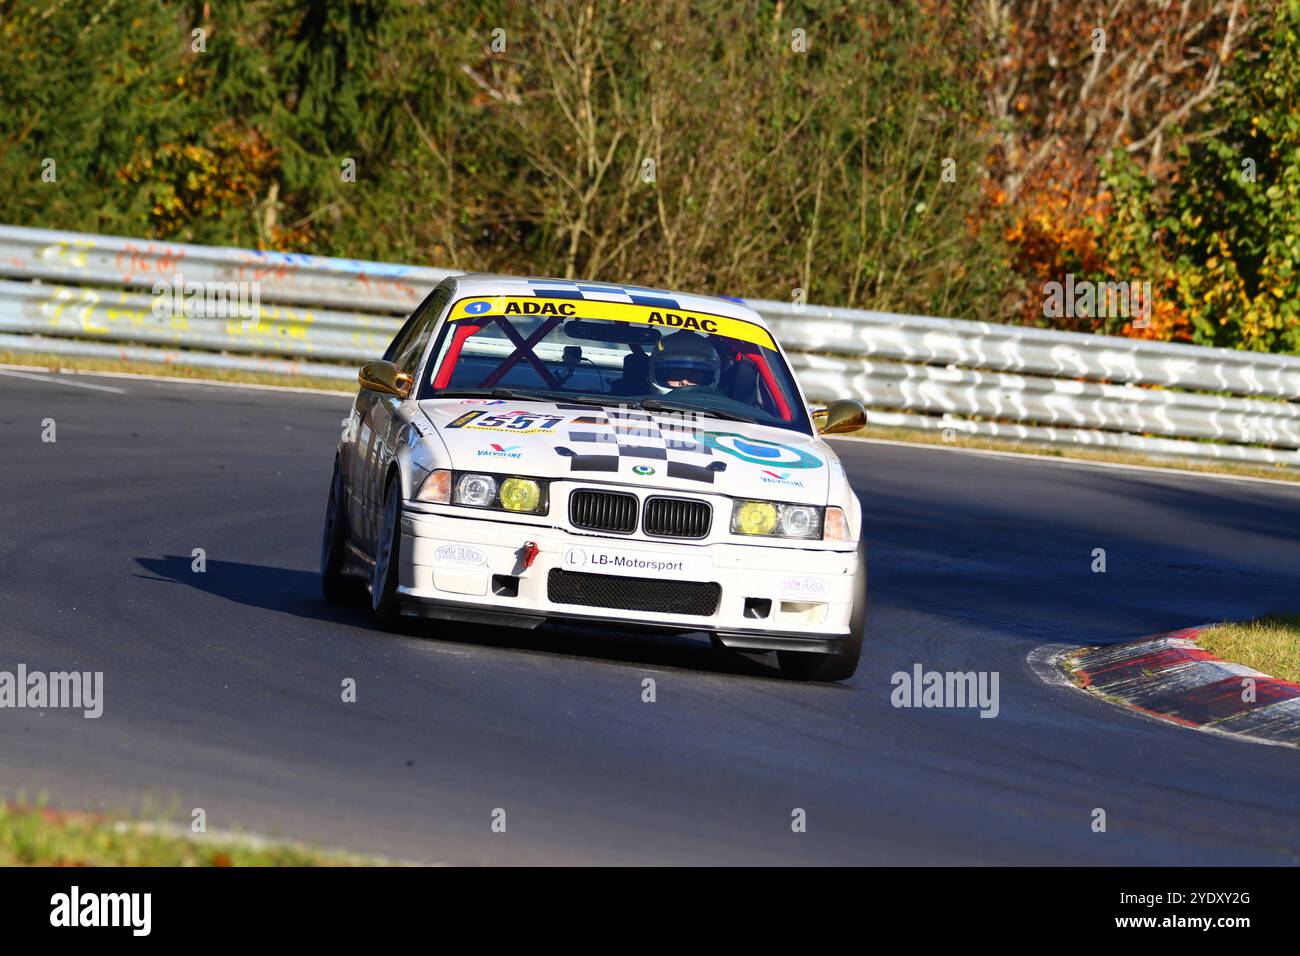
380, 425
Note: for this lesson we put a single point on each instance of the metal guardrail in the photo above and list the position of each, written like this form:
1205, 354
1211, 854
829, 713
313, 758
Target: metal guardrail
71, 293
283, 277
1014, 348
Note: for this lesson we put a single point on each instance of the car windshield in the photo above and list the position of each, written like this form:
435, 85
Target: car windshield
580, 351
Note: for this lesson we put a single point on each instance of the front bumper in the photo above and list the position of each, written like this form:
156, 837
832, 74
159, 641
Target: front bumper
769, 598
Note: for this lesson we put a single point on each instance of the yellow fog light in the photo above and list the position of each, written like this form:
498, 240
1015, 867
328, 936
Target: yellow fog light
520, 494
754, 517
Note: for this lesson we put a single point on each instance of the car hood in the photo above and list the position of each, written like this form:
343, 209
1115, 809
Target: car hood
626, 445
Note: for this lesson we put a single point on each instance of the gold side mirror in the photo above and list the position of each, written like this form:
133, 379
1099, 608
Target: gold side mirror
846, 415
385, 377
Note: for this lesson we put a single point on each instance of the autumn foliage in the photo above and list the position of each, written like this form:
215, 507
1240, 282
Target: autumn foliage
922, 156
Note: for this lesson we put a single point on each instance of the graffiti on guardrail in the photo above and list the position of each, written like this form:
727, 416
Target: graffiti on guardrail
71, 252
133, 261
64, 293
385, 282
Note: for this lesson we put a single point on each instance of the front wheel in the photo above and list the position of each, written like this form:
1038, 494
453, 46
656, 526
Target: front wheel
334, 584
384, 602
842, 664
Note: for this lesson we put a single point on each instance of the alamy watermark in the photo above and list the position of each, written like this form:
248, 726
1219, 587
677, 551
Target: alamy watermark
133, 911
41, 690
1097, 300
952, 689
217, 300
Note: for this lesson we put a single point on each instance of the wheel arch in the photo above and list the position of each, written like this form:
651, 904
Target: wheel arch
403, 480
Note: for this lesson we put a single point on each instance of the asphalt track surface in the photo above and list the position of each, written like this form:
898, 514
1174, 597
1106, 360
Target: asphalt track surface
222, 689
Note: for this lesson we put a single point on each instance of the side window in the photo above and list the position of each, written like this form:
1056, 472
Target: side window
408, 347
403, 336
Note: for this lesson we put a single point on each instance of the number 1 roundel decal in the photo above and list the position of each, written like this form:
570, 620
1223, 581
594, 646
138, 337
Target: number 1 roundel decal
756, 451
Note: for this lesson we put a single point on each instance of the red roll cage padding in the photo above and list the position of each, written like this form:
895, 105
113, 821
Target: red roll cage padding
769, 379
458, 337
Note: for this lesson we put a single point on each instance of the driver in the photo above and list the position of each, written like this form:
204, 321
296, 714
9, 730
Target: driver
684, 360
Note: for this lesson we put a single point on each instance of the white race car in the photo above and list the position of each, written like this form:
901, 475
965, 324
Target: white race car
534, 450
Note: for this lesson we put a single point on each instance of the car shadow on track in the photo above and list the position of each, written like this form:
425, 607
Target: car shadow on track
296, 592
255, 585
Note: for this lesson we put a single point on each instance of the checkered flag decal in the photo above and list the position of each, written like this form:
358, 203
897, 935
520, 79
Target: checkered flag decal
601, 292
608, 292
602, 442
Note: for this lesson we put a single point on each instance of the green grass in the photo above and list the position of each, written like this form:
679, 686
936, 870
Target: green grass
39, 836
55, 363
1268, 644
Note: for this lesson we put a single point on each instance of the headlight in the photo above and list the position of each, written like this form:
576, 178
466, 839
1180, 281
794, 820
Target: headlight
504, 493
520, 494
799, 521
477, 491
774, 518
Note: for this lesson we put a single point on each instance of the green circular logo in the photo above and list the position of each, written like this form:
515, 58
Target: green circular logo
642, 470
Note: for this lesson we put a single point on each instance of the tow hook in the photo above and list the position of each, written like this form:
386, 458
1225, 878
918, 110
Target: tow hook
528, 554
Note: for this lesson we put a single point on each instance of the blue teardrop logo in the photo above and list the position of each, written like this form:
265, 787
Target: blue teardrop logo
758, 451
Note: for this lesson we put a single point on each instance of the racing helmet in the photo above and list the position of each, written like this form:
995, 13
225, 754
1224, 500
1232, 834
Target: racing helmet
684, 357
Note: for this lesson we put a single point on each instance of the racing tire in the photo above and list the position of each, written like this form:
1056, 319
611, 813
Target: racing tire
334, 583
840, 665
384, 603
